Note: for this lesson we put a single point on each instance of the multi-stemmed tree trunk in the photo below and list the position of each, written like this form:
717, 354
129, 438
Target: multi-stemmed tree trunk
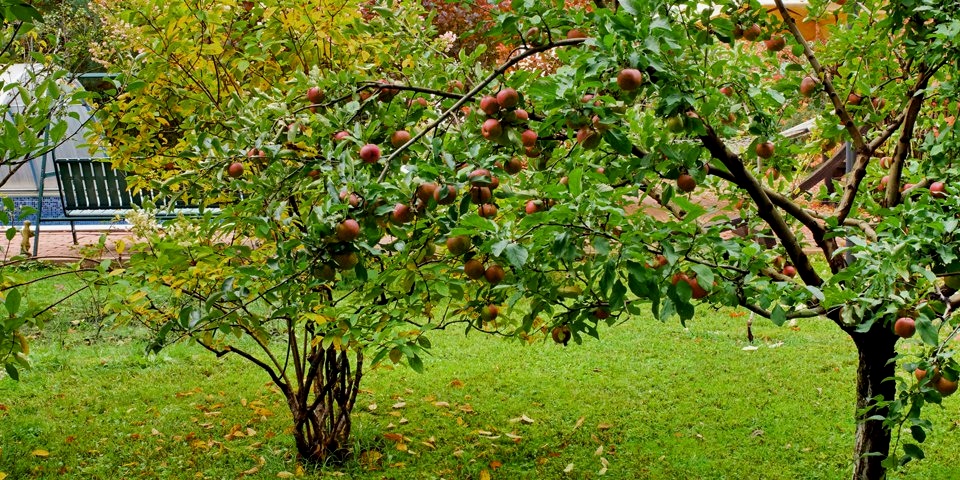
875, 372
322, 420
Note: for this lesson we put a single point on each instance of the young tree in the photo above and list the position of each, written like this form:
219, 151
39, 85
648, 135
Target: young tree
326, 191
35, 95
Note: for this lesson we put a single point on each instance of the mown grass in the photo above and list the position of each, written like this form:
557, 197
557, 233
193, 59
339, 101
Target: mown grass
651, 400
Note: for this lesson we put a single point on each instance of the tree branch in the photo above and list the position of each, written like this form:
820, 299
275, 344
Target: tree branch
475, 90
765, 207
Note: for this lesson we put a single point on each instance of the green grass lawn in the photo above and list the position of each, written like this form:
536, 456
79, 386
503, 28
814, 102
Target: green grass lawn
650, 400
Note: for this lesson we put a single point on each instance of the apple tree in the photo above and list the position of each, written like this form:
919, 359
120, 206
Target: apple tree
360, 186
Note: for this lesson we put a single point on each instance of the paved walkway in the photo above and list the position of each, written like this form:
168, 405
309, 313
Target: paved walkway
57, 245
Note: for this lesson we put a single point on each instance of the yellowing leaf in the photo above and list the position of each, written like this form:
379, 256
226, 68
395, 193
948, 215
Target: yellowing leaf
284, 475
40, 453
484, 475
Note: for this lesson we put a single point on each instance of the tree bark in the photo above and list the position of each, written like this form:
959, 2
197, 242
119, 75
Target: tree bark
875, 370
322, 416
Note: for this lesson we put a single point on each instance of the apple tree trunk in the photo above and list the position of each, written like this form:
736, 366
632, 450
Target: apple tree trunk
322, 408
876, 348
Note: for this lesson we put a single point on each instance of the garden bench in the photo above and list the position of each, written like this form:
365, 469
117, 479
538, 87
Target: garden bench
91, 189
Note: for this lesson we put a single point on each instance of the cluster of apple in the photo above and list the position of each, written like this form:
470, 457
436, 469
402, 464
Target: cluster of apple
503, 113
474, 269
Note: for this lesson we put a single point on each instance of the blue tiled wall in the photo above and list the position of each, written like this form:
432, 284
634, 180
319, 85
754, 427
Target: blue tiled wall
51, 209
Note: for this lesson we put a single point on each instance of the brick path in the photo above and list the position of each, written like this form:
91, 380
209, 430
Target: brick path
57, 245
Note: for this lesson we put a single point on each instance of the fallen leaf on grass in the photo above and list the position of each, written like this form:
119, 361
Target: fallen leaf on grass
495, 464
466, 408
40, 453
393, 437
599, 451
399, 405
441, 404
284, 474
579, 422
513, 437
251, 471
370, 459
569, 468
3, 475
3, 408
604, 426
750, 348
372, 407
484, 475
456, 383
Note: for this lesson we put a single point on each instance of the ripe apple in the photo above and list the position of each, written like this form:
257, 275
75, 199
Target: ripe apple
944, 386
528, 138
399, 138
235, 169
520, 115
790, 271
494, 274
752, 32
561, 334
480, 177
473, 268
455, 86
513, 166
698, 291
921, 374
341, 135
588, 138
445, 195
905, 327
686, 183
314, 95
629, 79
351, 199
386, 93
938, 190
883, 182
491, 129
727, 90
575, 33
401, 214
508, 98
487, 210
807, 86
854, 99
426, 191
531, 207
533, 36
489, 312
348, 230
458, 245
765, 150
346, 261
370, 153
601, 313
489, 105
480, 195
775, 44
886, 162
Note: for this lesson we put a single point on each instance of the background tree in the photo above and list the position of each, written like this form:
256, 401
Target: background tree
32, 125
328, 190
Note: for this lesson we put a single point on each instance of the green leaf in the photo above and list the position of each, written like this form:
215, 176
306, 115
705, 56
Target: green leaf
575, 182
913, 451
415, 363
918, 434
778, 316
928, 332
619, 141
516, 255
12, 301
630, 6
12, 371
